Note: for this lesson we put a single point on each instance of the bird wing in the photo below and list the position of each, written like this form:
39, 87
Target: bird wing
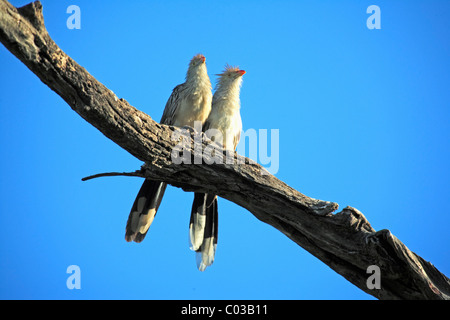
172, 105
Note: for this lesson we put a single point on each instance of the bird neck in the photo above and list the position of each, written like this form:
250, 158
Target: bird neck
198, 79
227, 96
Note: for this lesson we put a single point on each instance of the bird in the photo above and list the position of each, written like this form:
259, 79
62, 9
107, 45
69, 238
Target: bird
189, 102
225, 117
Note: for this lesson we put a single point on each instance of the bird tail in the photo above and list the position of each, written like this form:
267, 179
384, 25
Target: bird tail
144, 210
203, 228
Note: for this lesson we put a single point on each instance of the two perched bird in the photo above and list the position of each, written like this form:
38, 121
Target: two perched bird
193, 101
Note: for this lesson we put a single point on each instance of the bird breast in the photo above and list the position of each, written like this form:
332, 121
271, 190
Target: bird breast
195, 107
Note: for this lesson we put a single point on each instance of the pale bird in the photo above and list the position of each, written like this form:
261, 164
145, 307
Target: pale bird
189, 102
225, 117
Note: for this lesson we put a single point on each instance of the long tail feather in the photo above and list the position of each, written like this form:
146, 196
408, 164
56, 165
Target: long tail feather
144, 210
198, 221
207, 250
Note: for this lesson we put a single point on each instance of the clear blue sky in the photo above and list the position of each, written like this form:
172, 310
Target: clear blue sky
363, 117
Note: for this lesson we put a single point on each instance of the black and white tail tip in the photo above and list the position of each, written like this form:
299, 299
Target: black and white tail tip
144, 210
203, 229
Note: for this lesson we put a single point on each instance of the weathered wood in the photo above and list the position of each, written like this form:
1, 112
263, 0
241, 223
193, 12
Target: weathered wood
345, 241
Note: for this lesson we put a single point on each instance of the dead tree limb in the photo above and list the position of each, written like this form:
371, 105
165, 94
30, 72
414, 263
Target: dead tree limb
137, 173
345, 241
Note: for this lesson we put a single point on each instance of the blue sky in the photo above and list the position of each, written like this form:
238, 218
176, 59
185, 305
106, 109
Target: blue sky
363, 119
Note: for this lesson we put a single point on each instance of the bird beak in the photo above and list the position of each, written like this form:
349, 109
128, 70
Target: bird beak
242, 72
203, 59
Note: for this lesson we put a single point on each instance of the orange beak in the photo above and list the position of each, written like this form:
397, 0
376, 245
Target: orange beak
242, 72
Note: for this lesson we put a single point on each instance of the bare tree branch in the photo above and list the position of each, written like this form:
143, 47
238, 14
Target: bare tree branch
137, 173
345, 241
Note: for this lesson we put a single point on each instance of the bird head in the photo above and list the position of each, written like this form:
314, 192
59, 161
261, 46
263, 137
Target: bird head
197, 60
231, 73
230, 77
197, 70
